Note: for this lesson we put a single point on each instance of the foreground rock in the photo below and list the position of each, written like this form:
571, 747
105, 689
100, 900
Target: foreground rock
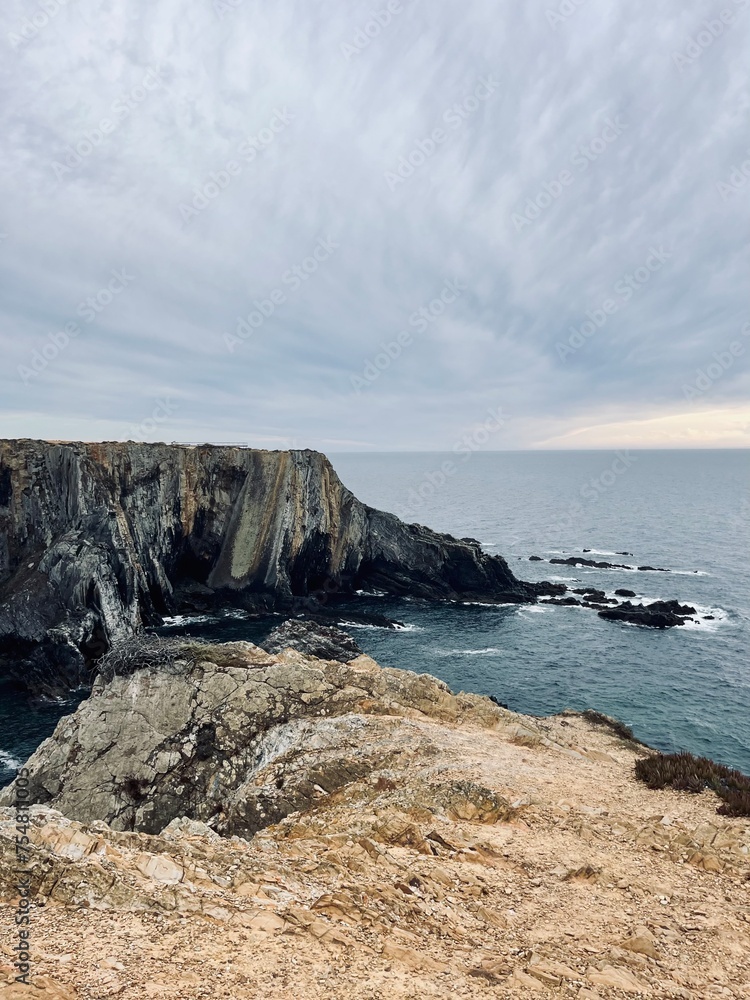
229, 735
467, 852
97, 540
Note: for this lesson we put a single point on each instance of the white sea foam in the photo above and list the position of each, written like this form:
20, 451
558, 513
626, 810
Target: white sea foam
488, 651
396, 627
176, 621
8, 762
371, 593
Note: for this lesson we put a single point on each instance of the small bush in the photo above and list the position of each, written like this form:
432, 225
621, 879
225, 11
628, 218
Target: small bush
686, 773
150, 651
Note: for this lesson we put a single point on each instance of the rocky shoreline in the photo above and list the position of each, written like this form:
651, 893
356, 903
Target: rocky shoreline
99, 541
226, 820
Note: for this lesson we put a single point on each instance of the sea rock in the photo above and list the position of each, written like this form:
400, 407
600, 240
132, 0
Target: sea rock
306, 636
622, 592
98, 540
658, 614
593, 563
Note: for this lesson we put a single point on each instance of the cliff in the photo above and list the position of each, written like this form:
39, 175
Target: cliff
225, 822
97, 540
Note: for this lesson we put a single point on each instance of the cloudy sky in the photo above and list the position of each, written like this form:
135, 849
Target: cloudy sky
376, 226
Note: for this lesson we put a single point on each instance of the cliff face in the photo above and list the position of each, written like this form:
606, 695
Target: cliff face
98, 539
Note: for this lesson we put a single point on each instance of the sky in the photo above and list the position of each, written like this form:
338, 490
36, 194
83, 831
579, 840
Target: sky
376, 226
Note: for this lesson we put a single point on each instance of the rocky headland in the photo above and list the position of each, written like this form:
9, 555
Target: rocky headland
100, 540
225, 821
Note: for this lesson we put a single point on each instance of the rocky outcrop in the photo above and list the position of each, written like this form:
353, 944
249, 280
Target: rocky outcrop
97, 540
229, 735
658, 614
314, 639
469, 852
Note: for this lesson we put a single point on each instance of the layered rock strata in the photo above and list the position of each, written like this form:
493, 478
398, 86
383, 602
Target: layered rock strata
98, 540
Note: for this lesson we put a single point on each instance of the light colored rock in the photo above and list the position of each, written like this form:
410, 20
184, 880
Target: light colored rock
616, 978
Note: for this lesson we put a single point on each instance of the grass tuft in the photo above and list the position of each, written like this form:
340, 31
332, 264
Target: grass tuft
149, 651
687, 773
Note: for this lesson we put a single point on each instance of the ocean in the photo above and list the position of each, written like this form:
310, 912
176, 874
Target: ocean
686, 511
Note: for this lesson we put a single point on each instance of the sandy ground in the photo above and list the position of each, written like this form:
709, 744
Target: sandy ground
514, 862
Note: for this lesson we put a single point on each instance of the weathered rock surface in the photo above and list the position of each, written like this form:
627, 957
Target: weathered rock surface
228, 735
97, 540
470, 852
326, 642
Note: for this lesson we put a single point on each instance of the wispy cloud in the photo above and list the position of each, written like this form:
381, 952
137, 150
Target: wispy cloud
534, 153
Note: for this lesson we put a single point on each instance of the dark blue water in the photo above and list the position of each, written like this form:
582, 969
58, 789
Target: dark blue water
687, 511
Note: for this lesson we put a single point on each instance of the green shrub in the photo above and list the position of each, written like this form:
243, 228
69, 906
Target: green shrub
686, 773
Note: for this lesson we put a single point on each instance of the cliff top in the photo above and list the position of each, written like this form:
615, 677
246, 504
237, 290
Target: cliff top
437, 846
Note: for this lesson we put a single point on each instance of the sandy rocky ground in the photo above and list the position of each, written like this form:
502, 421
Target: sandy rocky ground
496, 856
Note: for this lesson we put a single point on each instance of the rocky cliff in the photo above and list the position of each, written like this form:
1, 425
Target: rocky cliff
97, 540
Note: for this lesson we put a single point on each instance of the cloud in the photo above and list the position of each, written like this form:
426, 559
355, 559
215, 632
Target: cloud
609, 133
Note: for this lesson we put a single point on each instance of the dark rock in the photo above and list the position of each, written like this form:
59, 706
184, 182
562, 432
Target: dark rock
625, 593
709, 618
99, 540
579, 561
624, 554
658, 614
535, 559
564, 601
653, 569
310, 637
591, 593
501, 704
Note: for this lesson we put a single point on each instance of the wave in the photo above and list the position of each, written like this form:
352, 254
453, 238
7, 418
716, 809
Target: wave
488, 651
9, 763
396, 627
177, 621
371, 593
